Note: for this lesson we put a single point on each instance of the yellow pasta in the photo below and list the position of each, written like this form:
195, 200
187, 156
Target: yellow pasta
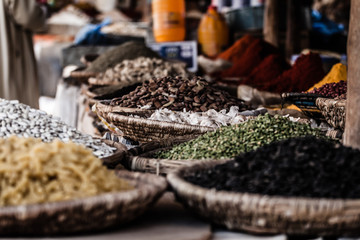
32, 171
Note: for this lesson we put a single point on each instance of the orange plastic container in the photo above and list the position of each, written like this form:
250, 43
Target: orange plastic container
213, 33
168, 20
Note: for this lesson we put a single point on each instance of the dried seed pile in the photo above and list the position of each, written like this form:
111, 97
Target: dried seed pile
230, 141
24, 121
331, 89
177, 93
303, 167
210, 118
130, 72
129, 50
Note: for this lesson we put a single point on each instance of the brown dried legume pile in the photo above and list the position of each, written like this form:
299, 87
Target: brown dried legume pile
177, 93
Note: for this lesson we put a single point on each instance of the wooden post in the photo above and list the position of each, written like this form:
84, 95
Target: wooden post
352, 126
292, 28
271, 22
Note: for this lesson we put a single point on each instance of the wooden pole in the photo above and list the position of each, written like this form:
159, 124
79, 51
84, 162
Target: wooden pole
292, 28
352, 126
271, 22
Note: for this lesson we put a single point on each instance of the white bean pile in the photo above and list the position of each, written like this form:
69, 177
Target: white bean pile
23, 121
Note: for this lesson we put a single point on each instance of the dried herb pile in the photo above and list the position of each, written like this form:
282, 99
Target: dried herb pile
177, 93
306, 167
228, 142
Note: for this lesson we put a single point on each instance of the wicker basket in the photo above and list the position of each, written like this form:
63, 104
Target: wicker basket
144, 130
84, 215
306, 103
141, 158
333, 111
266, 214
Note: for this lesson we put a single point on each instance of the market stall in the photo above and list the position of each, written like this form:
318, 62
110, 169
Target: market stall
213, 120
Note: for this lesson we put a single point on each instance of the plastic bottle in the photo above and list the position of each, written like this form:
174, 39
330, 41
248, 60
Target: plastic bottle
168, 20
213, 33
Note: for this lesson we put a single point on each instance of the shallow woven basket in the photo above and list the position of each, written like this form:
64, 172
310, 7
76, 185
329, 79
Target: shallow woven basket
266, 214
84, 215
144, 130
333, 111
141, 158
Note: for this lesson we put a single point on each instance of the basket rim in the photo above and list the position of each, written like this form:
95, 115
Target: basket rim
147, 186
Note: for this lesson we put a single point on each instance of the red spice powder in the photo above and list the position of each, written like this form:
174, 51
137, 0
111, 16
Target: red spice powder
267, 72
245, 62
237, 49
306, 71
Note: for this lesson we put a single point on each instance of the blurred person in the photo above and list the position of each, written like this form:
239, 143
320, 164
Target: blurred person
18, 70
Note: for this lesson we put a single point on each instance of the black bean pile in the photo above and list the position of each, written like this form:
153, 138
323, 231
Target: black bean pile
126, 51
331, 89
302, 167
177, 93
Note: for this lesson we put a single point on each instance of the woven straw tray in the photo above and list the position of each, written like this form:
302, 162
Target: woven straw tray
141, 158
266, 214
84, 215
334, 111
144, 130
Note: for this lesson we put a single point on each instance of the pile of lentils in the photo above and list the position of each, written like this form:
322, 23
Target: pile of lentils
177, 93
23, 121
332, 90
301, 167
230, 141
130, 72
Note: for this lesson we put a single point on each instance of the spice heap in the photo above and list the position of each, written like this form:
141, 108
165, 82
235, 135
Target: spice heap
337, 73
301, 167
306, 71
21, 120
177, 93
130, 72
245, 55
228, 142
210, 118
268, 70
332, 90
129, 50
37, 172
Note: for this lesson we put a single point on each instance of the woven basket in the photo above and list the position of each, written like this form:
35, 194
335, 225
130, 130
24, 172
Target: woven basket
333, 111
145, 130
306, 103
84, 215
266, 214
141, 158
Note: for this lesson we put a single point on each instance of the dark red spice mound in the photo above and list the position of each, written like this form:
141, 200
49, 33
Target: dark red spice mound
268, 70
306, 71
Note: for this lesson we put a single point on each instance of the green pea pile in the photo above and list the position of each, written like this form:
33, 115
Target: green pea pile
230, 141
